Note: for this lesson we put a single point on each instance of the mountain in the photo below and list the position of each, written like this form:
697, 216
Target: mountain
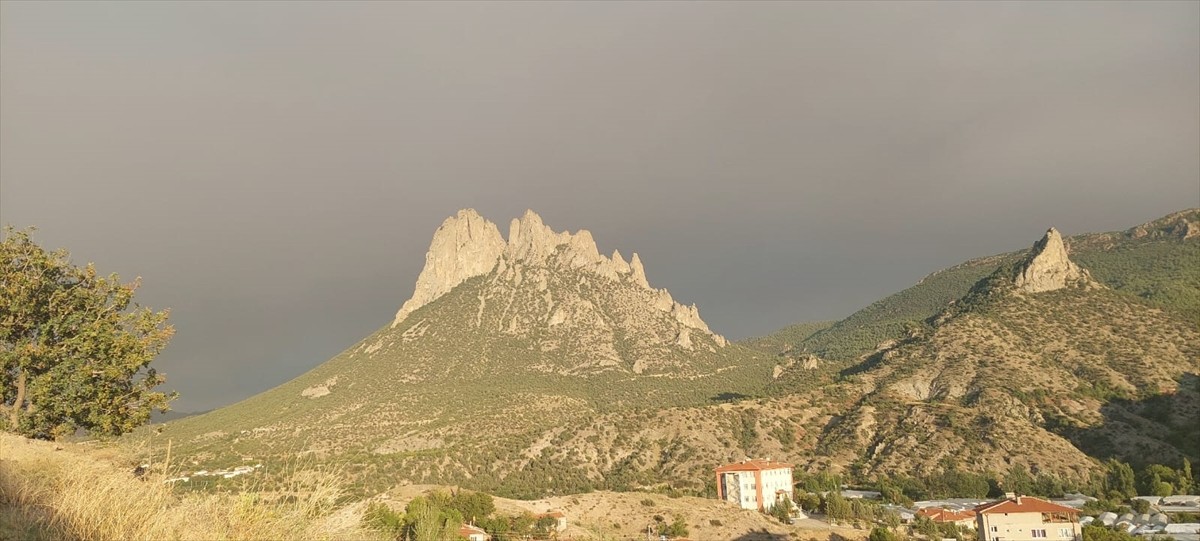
503, 344
1024, 367
534, 365
1155, 262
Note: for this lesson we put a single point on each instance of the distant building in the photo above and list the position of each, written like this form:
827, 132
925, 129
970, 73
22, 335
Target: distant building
560, 519
473, 533
1023, 518
949, 516
755, 484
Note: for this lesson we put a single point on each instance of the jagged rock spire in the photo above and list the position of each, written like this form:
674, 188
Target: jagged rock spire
1047, 267
467, 245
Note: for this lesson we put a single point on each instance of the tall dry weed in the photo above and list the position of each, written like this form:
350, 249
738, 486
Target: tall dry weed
71, 494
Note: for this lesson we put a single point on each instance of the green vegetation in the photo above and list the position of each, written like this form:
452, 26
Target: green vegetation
883, 534
72, 354
1152, 262
475, 390
782, 511
1095, 532
437, 516
787, 338
676, 528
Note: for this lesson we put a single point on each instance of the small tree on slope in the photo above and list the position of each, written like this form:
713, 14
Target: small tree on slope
72, 352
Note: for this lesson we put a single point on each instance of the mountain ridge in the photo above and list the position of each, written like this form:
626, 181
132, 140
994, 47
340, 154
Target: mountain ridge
548, 374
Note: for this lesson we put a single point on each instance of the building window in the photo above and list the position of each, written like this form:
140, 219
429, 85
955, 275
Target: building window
1037, 533
1064, 532
995, 529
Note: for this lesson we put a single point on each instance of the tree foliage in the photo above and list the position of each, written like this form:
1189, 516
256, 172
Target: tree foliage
883, 534
73, 353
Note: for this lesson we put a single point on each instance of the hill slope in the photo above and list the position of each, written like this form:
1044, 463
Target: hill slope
554, 369
1038, 365
502, 344
1156, 261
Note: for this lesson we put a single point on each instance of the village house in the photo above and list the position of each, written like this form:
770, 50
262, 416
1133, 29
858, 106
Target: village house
560, 519
755, 484
1023, 518
473, 533
962, 519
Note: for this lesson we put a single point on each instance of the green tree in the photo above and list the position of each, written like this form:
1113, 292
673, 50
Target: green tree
73, 354
677, 528
1186, 481
836, 507
927, 527
1120, 479
783, 511
473, 505
882, 534
1154, 476
1140, 506
380, 517
424, 521
809, 501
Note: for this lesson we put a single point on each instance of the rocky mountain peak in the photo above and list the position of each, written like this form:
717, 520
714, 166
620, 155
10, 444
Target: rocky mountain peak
1047, 267
467, 245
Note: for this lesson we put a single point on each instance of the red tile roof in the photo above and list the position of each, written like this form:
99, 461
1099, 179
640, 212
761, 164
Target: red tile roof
1024, 504
938, 514
467, 529
753, 465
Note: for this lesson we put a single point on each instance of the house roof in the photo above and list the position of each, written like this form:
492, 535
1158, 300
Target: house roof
1024, 504
552, 514
468, 529
756, 464
938, 514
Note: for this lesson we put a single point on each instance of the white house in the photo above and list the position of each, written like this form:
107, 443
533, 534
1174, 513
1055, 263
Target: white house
473, 533
1023, 518
755, 484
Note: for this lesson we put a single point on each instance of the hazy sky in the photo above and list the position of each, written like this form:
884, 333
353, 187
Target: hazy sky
274, 171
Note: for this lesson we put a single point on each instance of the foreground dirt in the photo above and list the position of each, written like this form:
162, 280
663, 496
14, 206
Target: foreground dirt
623, 515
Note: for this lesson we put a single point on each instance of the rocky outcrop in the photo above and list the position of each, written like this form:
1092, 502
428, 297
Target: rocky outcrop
467, 245
1047, 267
1184, 225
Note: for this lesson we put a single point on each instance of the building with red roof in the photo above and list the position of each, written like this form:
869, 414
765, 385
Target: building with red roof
1024, 518
560, 519
941, 515
473, 533
755, 484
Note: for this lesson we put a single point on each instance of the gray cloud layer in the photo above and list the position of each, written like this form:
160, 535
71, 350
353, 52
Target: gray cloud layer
275, 171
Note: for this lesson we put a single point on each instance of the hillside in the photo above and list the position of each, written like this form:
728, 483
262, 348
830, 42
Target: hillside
484, 365
1155, 261
1038, 365
535, 366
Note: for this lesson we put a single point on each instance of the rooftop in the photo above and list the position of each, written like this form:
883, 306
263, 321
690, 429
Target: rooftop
756, 464
1024, 504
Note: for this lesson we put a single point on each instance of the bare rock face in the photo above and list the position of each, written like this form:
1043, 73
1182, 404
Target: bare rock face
1048, 268
466, 245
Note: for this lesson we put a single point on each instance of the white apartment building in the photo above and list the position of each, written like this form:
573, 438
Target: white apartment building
1022, 518
755, 484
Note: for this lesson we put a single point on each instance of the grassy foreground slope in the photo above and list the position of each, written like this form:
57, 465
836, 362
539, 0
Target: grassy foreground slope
52, 491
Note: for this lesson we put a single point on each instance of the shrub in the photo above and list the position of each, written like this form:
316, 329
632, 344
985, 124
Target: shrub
882, 534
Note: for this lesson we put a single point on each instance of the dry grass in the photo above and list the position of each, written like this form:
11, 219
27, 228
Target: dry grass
64, 491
